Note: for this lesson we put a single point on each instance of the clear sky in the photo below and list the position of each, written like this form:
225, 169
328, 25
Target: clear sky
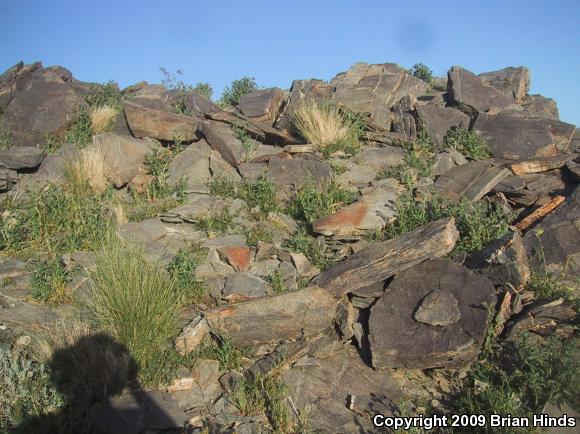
277, 41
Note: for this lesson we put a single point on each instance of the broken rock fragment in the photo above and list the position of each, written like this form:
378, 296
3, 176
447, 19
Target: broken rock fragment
438, 308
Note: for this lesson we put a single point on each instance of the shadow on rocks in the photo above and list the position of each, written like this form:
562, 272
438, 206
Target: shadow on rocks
88, 374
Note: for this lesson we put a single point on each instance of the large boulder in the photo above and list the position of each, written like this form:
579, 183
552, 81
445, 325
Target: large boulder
262, 105
191, 164
222, 139
438, 120
541, 107
24, 157
472, 95
517, 138
437, 310
51, 170
146, 122
41, 103
125, 156
375, 89
300, 90
512, 82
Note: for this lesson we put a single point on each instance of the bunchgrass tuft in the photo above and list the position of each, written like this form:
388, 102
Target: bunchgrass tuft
49, 283
102, 118
189, 289
469, 143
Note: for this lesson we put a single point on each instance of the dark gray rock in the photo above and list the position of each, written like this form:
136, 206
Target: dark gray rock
191, 165
438, 120
222, 139
447, 160
513, 82
541, 107
262, 105
472, 95
146, 122
300, 90
438, 308
419, 345
517, 138
8, 178
293, 173
23, 157
243, 286
51, 171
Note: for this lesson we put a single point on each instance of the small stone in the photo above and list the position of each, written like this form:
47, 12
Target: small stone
438, 308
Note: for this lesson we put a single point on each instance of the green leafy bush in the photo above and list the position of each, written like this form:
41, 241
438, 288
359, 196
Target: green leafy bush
314, 201
189, 288
302, 242
107, 94
204, 89
49, 282
478, 223
423, 72
232, 94
222, 349
261, 194
469, 143
80, 132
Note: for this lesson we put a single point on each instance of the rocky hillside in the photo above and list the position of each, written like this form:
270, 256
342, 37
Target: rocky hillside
297, 261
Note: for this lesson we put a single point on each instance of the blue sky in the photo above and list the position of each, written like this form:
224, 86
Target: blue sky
276, 41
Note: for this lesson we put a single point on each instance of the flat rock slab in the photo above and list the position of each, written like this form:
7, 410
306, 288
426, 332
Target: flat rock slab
538, 165
272, 319
472, 180
325, 384
419, 345
191, 165
513, 82
438, 120
138, 411
438, 308
517, 138
382, 260
23, 157
147, 122
380, 158
372, 212
262, 105
293, 173
242, 286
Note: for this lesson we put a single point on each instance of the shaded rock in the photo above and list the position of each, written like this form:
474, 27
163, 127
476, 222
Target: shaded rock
472, 180
136, 411
23, 157
438, 308
328, 383
513, 82
422, 346
517, 138
279, 360
527, 189
574, 167
300, 90
387, 258
380, 158
293, 173
354, 176
403, 121
153, 96
372, 212
51, 170
472, 95
242, 286
375, 89
262, 105
541, 317
555, 241
438, 120
201, 389
220, 168
191, 164
42, 103
222, 139
345, 319
306, 312
125, 156
502, 261
8, 178
146, 122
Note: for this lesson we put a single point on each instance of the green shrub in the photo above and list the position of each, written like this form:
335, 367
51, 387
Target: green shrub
26, 391
249, 145
107, 94
314, 201
260, 232
261, 194
134, 301
219, 223
477, 223
232, 94
302, 242
5, 138
220, 348
79, 132
469, 143
188, 287
423, 72
204, 89
276, 281
49, 282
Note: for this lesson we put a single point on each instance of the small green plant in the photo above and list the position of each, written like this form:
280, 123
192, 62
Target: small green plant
188, 287
222, 349
249, 145
26, 391
248, 397
5, 138
182, 90
302, 242
107, 94
49, 282
276, 280
423, 72
469, 143
134, 301
157, 163
233, 93
79, 132
219, 223
261, 194
260, 232
478, 223
314, 201
204, 89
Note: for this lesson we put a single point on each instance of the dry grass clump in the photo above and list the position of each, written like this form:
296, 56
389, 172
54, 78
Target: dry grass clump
89, 168
102, 118
61, 334
322, 124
